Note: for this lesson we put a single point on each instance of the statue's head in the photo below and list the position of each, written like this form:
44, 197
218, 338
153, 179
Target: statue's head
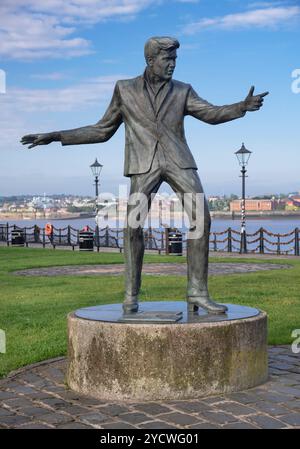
160, 55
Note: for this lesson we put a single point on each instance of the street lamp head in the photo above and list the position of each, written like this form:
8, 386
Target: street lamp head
243, 155
96, 168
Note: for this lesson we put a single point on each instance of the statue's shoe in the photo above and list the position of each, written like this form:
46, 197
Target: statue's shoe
130, 304
194, 302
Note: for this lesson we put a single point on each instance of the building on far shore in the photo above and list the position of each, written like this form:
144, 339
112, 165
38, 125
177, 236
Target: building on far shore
293, 203
253, 205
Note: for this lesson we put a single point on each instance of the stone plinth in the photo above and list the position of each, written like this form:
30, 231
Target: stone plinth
199, 355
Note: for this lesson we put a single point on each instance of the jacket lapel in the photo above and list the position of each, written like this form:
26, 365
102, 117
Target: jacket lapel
144, 99
165, 93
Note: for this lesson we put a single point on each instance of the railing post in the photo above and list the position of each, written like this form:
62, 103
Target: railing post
215, 242
44, 238
278, 244
97, 237
167, 240
121, 238
229, 240
150, 237
7, 234
69, 235
158, 241
118, 242
59, 236
261, 241
107, 236
243, 249
25, 236
162, 241
297, 242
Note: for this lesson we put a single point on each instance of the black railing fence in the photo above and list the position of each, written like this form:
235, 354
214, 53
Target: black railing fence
260, 242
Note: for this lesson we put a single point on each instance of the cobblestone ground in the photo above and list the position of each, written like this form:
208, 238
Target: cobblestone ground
36, 397
161, 269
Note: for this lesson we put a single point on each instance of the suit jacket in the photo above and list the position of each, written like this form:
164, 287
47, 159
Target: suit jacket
145, 127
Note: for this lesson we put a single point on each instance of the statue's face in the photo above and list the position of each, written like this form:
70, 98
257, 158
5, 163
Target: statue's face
163, 65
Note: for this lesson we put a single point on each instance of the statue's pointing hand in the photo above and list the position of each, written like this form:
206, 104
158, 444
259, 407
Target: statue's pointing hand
254, 102
39, 139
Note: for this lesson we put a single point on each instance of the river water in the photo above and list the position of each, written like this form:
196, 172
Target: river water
276, 225
286, 244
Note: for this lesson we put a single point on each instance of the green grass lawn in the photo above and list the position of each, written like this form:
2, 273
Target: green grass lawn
33, 310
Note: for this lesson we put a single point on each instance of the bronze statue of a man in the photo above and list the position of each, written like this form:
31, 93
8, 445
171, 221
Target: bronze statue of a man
152, 107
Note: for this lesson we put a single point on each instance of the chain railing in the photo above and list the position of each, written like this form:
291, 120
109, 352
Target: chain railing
260, 242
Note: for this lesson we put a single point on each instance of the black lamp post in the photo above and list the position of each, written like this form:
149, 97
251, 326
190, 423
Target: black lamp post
243, 156
96, 170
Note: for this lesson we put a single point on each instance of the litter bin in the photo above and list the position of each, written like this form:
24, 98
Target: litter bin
175, 242
86, 241
17, 237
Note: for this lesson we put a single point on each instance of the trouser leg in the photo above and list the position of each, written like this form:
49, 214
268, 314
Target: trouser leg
187, 184
197, 257
143, 187
134, 253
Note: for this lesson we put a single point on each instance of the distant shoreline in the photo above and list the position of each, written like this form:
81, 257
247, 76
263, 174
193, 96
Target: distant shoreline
25, 217
214, 214
257, 215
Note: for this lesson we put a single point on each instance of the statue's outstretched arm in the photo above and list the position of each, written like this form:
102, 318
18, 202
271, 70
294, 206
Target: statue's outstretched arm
100, 132
207, 112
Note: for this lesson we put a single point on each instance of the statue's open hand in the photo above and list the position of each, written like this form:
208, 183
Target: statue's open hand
38, 139
254, 102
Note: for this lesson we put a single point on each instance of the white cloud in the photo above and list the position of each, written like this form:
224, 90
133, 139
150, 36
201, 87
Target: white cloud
77, 10
29, 36
36, 29
31, 29
88, 93
264, 4
20, 107
257, 18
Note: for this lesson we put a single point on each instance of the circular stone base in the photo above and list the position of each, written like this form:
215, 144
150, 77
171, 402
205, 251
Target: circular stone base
189, 358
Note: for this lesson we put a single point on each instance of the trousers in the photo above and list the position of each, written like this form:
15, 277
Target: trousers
182, 181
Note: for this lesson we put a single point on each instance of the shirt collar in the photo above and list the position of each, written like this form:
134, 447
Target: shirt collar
148, 82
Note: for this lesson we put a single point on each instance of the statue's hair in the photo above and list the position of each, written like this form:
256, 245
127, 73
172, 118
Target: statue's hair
155, 45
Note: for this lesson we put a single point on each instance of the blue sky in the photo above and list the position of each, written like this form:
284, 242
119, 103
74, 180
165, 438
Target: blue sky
62, 59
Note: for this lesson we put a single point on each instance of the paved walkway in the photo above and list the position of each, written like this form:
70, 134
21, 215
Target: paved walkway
36, 397
158, 269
